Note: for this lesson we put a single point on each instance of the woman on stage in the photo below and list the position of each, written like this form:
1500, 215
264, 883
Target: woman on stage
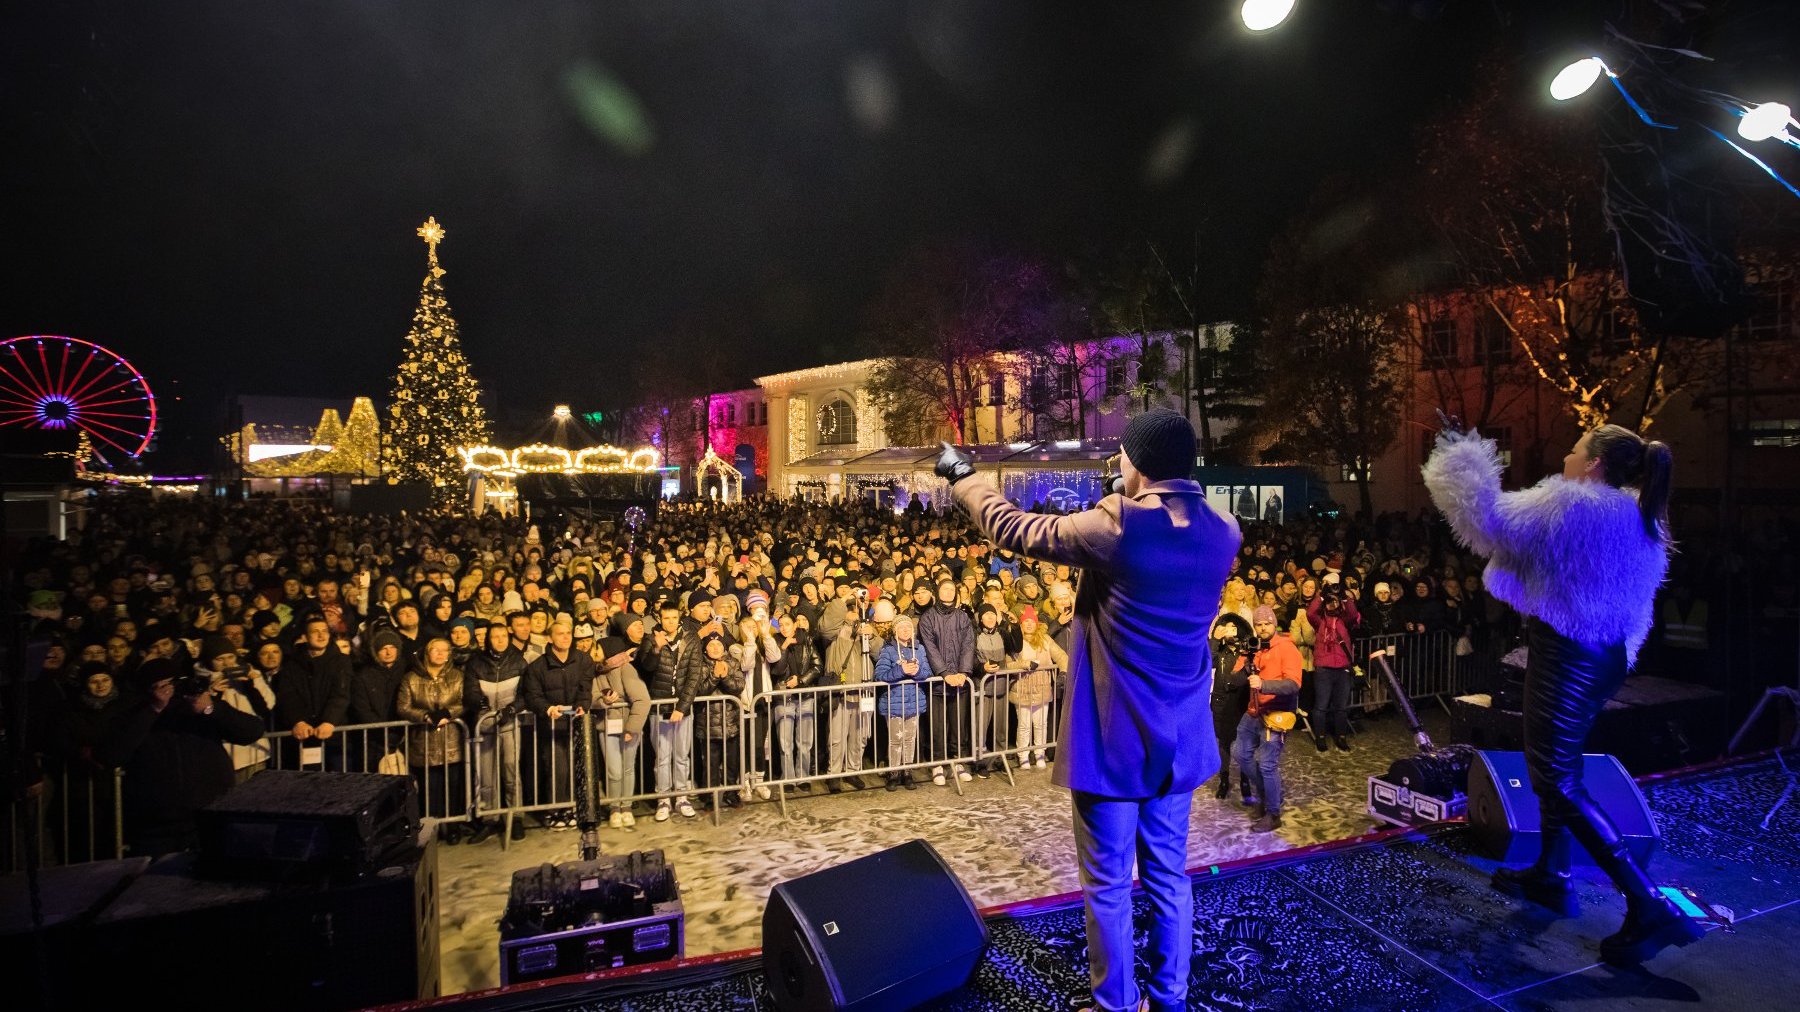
1580, 555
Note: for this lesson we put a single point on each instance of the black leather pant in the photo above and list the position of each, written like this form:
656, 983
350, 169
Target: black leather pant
1566, 685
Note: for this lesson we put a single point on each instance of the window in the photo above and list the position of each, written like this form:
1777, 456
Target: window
1068, 380
1616, 331
1493, 339
1771, 313
1502, 438
997, 390
1440, 342
837, 424
1784, 432
1347, 472
1039, 384
1117, 377
730, 412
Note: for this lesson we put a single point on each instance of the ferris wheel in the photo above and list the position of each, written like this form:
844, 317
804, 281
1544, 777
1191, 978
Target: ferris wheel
67, 384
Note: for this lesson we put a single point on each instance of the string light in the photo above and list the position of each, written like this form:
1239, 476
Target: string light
542, 458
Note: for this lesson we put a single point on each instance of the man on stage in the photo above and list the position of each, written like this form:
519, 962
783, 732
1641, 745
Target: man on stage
1133, 745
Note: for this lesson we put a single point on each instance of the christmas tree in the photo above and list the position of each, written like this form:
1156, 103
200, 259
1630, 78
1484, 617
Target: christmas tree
436, 403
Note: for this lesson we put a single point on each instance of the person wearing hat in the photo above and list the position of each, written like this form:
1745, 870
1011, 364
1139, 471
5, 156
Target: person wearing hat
376, 684
905, 667
557, 687
621, 697
1273, 674
493, 673
170, 749
243, 689
1139, 685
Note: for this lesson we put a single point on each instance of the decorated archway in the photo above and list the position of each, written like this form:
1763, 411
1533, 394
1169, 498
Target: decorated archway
731, 480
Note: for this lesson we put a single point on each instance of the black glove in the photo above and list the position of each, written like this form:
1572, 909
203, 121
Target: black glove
1449, 425
953, 465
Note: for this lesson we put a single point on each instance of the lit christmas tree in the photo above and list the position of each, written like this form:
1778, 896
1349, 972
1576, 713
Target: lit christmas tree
360, 450
436, 403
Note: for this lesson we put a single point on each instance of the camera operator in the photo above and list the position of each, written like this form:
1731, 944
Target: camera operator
244, 690
1334, 618
1230, 699
1271, 668
171, 750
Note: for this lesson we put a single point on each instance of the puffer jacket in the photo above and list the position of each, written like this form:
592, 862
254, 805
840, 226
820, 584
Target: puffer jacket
549, 682
948, 635
723, 678
630, 697
1038, 686
493, 680
907, 697
425, 699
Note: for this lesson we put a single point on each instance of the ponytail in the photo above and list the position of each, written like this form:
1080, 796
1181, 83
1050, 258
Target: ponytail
1630, 461
1654, 489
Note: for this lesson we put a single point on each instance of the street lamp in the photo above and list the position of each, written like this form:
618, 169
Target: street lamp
1576, 78
561, 413
1262, 15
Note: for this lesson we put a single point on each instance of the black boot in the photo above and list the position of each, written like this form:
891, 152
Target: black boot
1343, 743
1545, 882
893, 781
1652, 922
1319, 740
1224, 790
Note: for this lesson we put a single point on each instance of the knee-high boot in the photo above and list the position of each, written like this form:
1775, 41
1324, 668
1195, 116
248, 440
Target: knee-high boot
1546, 882
1652, 922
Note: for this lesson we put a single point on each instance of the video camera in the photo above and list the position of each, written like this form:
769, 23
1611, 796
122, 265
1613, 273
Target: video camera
194, 683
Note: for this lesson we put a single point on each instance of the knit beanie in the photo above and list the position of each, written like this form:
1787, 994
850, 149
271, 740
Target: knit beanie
756, 599
1263, 614
1160, 444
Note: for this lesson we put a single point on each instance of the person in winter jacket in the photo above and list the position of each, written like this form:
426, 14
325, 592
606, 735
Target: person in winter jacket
850, 661
375, 689
492, 679
556, 688
1040, 660
621, 696
171, 749
796, 716
1334, 619
678, 674
1230, 694
721, 721
759, 657
1581, 555
431, 696
1274, 678
948, 636
1381, 616
312, 697
905, 666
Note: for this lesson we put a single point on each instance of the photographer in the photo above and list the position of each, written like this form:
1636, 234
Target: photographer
1272, 671
1334, 618
244, 690
1230, 698
171, 750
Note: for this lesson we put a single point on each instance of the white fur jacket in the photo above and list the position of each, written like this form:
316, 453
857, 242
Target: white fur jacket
1571, 553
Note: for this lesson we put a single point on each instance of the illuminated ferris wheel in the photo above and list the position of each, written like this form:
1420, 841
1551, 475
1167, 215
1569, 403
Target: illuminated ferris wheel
67, 384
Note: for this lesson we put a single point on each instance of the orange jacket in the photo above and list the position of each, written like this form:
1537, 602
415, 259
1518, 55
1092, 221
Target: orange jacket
1279, 665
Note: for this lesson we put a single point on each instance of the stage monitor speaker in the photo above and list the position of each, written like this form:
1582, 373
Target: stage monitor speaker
879, 934
1503, 811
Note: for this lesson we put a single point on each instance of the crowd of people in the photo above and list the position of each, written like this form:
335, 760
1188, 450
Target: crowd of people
195, 642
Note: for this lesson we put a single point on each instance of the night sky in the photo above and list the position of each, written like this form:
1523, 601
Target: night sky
226, 192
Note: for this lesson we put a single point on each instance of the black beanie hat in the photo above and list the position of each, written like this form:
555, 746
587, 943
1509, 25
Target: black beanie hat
1160, 444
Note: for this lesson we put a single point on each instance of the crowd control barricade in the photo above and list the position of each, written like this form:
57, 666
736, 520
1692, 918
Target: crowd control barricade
440, 766
1018, 713
77, 816
527, 764
1425, 663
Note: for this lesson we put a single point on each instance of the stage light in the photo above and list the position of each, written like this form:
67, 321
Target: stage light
561, 412
1576, 78
1262, 15
1764, 121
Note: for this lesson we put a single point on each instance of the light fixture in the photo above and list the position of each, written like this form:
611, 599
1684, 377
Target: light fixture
1262, 15
1576, 78
1764, 121
561, 412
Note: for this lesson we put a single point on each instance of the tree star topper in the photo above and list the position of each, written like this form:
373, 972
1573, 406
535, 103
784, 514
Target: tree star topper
432, 233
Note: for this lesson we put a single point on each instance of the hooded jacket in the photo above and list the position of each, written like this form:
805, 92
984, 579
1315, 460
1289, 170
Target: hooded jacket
949, 638
1573, 554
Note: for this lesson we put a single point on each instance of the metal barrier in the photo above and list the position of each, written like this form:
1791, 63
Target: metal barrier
395, 746
1023, 710
1426, 664
947, 732
527, 765
76, 815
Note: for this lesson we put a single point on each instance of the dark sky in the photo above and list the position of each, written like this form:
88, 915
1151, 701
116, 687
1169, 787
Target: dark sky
226, 192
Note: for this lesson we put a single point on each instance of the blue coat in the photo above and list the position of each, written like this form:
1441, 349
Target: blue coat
907, 697
1137, 722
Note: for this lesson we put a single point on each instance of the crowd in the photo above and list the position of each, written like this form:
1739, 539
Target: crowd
194, 642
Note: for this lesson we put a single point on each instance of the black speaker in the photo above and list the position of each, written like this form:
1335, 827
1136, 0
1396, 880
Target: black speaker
1503, 811
878, 934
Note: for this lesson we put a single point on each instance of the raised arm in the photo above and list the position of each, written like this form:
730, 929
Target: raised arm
1078, 539
1463, 477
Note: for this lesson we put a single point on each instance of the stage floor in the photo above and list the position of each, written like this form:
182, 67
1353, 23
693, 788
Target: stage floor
1007, 843
1404, 923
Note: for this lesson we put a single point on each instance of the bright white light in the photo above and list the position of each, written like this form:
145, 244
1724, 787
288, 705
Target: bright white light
1067, 444
1576, 78
264, 451
561, 412
1764, 121
1262, 15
